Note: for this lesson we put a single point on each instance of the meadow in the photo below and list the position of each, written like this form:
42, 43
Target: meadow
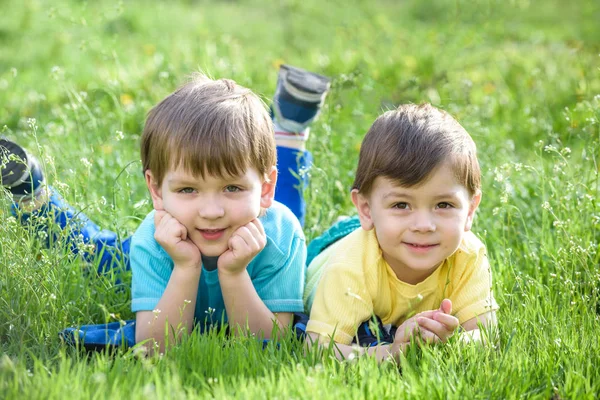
522, 76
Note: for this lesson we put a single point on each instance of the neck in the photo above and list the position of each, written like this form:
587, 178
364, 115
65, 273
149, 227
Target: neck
408, 275
209, 263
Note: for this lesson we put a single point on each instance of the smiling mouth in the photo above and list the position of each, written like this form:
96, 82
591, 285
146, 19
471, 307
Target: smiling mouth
420, 246
211, 234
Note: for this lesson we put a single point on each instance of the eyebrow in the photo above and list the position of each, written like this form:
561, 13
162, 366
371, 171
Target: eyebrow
181, 181
409, 197
446, 195
396, 194
184, 180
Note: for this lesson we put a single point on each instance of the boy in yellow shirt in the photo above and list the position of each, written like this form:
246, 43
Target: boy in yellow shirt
413, 264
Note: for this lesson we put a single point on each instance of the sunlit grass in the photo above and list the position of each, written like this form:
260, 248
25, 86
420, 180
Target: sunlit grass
77, 78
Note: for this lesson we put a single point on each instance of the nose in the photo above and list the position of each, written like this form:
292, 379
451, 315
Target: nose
210, 207
422, 221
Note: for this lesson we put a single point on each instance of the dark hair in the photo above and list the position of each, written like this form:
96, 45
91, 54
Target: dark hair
408, 143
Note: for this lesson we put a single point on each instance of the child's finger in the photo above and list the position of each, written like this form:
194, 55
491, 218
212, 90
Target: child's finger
450, 321
435, 327
426, 314
406, 330
237, 244
158, 216
427, 336
248, 238
261, 229
253, 229
256, 229
446, 306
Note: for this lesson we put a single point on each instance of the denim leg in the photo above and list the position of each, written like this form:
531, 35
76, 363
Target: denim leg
292, 165
82, 235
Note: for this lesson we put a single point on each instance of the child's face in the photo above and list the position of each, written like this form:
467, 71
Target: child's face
418, 227
212, 208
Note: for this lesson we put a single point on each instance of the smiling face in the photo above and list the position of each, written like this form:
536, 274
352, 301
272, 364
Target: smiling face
417, 227
212, 208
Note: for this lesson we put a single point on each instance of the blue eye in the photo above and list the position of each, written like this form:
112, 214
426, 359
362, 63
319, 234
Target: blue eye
186, 190
232, 189
401, 206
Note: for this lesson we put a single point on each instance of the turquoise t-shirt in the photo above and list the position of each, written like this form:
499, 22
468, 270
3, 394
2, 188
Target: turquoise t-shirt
277, 272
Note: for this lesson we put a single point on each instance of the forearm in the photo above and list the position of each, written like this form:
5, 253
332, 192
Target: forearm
343, 352
482, 329
245, 309
174, 313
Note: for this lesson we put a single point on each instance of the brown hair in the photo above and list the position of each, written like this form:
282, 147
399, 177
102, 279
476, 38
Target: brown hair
207, 126
407, 144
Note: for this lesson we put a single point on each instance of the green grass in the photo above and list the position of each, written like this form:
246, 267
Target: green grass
76, 79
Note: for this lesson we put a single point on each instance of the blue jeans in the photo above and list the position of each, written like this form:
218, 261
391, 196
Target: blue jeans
109, 251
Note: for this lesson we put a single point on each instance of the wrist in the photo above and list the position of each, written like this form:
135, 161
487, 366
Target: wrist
396, 348
186, 267
231, 273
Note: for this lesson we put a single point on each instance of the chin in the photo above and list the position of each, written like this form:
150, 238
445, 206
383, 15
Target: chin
212, 252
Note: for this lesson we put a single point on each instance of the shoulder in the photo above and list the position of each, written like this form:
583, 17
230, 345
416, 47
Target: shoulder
471, 252
144, 235
358, 245
471, 244
352, 252
281, 225
285, 238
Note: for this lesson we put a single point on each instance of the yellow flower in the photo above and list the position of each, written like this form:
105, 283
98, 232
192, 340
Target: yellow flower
277, 63
149, 49
489, 88
126, 99
106, 148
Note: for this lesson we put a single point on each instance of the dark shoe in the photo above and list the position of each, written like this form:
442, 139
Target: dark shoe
298, 98
21, 174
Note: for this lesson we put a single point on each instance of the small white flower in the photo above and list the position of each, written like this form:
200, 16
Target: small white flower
85, 162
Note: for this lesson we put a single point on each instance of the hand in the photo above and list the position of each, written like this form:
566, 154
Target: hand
430, 326
440, 326
173, 237
245, 243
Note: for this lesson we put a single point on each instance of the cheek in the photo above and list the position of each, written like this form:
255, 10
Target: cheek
454, 233
179, 211
246, 210
254, 209
387, 232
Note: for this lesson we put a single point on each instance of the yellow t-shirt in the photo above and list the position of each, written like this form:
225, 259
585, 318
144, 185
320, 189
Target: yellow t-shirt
349, 282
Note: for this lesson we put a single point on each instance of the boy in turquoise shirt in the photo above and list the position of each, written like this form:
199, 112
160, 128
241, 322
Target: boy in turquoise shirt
217, 246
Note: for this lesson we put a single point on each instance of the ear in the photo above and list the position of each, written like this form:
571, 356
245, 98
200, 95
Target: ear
154, 189
361, 202
472, 208
267, 192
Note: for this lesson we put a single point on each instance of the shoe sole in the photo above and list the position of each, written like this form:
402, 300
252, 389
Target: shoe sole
14, 163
